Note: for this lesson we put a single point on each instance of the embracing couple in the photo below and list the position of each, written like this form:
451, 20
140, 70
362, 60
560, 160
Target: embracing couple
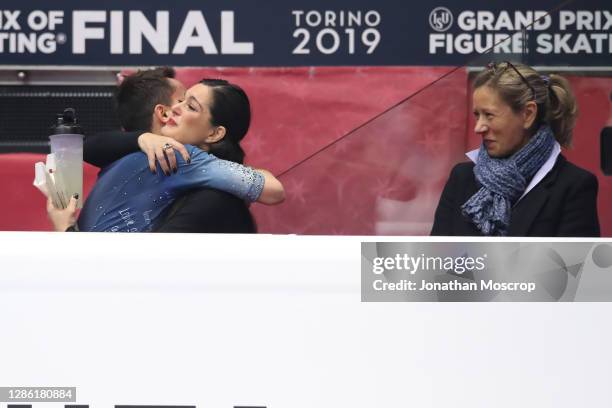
177, 166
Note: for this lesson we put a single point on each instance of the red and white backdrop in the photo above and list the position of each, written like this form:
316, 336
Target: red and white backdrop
359, 150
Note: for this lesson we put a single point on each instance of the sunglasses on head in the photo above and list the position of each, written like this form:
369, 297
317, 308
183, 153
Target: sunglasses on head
499, 67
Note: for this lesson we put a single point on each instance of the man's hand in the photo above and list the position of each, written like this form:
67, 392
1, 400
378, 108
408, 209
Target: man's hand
161, 148
62, 219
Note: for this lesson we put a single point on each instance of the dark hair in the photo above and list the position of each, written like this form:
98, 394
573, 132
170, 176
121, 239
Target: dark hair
138, 94
518, 84
230, 108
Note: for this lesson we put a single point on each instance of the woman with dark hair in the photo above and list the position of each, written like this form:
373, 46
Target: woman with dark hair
213, 117
217, 108
518, 183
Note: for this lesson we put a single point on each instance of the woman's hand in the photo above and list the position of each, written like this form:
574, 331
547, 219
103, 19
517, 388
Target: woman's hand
62, 219
161, 148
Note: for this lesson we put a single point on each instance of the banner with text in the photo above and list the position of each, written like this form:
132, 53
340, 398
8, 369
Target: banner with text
302, 33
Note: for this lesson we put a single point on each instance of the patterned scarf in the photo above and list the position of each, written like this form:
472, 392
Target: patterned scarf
503, 181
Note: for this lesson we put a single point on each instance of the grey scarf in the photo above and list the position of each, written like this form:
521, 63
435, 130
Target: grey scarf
503, 181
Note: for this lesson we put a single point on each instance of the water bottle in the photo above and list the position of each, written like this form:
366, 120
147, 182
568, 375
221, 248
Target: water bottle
67, 148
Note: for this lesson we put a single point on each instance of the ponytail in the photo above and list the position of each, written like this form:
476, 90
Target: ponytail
562, 109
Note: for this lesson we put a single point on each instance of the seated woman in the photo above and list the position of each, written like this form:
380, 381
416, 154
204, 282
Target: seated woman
128, 197
518, 183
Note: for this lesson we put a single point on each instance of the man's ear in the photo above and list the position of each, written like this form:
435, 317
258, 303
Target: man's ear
530, 114
216, 135
160, 113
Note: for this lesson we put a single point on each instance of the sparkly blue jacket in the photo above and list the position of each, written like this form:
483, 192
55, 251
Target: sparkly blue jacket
129, 198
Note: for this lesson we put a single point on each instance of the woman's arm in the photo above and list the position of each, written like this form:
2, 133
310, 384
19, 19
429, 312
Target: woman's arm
206, 170
103, 149
273, 190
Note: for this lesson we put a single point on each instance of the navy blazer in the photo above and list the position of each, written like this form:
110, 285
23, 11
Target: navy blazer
562, 204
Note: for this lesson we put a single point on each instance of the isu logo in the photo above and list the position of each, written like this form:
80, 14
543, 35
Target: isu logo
440, 19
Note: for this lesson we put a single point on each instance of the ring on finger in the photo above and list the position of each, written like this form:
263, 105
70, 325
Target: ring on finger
166, 147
